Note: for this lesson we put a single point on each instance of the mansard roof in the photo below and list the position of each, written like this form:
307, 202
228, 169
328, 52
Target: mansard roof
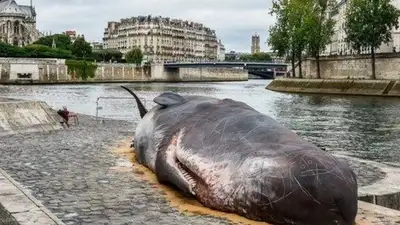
11, 7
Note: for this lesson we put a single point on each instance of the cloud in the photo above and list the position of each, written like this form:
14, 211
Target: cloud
234, 20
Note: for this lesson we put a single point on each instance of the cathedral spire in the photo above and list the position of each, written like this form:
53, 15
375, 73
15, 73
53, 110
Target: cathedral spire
53, 45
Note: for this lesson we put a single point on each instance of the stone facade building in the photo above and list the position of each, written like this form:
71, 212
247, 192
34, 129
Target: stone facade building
163, 39
339, 46
17, 23
73, 35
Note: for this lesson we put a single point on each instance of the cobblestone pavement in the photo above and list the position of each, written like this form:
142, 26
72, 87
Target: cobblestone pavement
377, 217
69, 171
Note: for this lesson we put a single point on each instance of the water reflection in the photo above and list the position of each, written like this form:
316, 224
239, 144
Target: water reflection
363, 126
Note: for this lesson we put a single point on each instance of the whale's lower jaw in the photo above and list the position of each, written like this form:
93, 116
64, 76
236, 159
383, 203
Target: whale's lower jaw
250, 207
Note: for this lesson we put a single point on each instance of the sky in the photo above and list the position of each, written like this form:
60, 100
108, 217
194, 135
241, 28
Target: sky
233, 20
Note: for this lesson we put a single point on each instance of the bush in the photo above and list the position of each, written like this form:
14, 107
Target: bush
81, 68
33, 51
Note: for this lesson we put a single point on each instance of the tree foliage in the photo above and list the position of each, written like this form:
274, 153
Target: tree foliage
107, 55
230, 57
302, 27
42, 51
256, 57
290, 33
81, 68
278, 39
134, 56
369, 24
320, 30
62, 41
33, 51
81, 48
299, 13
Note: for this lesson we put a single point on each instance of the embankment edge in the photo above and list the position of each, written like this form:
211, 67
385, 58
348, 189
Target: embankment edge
384, 88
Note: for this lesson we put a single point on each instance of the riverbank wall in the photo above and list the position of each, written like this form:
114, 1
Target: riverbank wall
345, 74
337, 86
353, 67
55, 71
19, 116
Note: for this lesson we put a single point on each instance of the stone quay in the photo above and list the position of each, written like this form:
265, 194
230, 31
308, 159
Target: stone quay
347, 75
55, 71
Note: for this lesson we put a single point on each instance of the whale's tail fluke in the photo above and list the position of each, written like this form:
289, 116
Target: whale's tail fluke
142, 109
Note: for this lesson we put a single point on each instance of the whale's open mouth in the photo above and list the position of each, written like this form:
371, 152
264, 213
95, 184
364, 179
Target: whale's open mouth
188, 175
176, 171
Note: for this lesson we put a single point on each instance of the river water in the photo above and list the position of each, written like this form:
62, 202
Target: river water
365, 127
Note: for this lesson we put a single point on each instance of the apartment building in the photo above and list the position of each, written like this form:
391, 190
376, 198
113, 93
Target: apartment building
339, 46
73, 35
163, 39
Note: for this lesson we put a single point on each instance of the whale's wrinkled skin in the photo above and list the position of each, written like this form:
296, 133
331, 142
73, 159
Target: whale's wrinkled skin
235, 159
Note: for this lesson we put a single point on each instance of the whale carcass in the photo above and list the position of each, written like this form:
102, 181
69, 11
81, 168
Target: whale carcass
232, 158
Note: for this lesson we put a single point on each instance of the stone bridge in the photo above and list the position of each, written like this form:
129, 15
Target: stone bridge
49, 71
266, 70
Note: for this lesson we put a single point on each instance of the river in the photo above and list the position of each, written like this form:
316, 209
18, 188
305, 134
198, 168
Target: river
365, 127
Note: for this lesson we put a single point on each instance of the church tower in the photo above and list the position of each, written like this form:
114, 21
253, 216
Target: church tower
17, 23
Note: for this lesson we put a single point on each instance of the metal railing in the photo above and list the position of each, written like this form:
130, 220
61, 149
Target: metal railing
112, 97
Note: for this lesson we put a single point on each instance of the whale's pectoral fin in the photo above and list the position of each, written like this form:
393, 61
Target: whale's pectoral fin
169, 99
168, 171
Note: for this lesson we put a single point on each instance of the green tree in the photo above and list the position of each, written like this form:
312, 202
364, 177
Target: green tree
107, 55
33, 50
134, 56
320, 30
278, 40
7, 50
299, 12
43, 51
256, 57
262, 57
81, 68
369, 24
62, 41
279, 35
81, 48
290, 33
230, 58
